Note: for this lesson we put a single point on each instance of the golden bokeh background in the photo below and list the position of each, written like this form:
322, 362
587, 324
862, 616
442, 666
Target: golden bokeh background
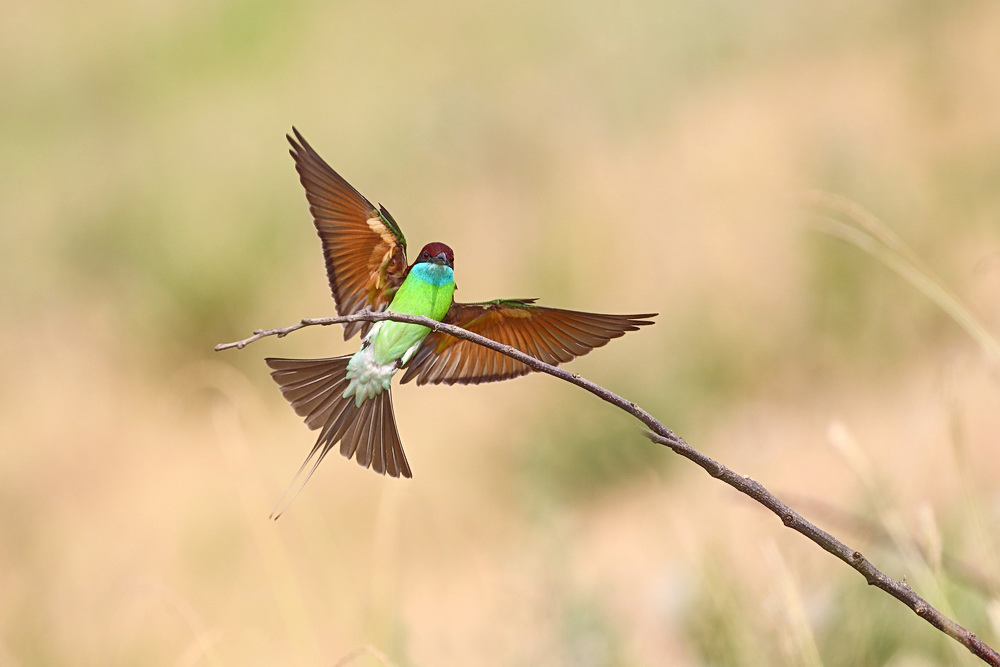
627, 156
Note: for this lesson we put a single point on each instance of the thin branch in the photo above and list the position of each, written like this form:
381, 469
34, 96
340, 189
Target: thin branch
664, 436
962, 571
284, 331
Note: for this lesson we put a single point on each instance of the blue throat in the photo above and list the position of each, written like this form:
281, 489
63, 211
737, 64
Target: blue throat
433, 274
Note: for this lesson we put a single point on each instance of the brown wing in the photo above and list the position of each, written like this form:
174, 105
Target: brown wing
364, 249
549, 334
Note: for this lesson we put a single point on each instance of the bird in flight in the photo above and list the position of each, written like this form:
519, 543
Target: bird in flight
347, 399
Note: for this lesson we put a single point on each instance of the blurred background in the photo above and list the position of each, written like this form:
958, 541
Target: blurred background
621, 157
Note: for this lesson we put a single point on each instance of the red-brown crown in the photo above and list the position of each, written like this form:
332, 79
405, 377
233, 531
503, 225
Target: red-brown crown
438, 253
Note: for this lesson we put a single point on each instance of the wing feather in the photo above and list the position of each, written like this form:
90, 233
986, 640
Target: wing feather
364, 249
552, 335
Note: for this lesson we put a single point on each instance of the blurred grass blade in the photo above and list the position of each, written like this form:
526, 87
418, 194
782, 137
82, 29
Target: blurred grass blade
868, 233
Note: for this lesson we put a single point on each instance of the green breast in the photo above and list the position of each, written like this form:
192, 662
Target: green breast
427, 291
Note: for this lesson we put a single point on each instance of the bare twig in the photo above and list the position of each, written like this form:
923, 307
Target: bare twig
963, 572
664, 436
284, 331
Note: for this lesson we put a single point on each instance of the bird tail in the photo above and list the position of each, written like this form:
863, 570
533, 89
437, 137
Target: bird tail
315, 388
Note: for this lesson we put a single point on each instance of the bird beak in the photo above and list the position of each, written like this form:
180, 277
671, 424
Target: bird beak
440, 258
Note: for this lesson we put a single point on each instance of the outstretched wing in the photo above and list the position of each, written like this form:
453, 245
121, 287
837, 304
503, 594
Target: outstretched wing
364, 249
552, 335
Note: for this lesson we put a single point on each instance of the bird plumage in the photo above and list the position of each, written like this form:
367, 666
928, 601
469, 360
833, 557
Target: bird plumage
364, 249
552, 335
348, 398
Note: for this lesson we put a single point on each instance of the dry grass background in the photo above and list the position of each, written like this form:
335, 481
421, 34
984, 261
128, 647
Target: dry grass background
627, 156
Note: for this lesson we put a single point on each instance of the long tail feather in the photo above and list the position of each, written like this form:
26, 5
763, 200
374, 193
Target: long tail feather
368, 433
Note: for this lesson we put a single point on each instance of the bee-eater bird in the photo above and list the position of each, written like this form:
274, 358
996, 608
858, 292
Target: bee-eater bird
347, 399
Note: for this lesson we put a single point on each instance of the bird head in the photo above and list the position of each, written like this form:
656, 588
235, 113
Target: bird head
436, 253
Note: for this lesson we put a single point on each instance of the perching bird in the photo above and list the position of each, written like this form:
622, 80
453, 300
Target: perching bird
348, 398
